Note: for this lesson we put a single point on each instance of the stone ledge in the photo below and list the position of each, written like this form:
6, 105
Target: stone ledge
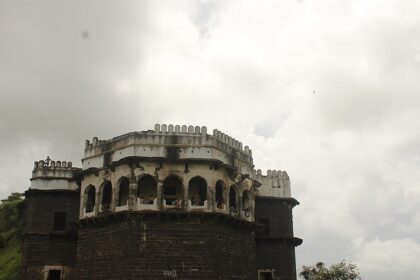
162, 216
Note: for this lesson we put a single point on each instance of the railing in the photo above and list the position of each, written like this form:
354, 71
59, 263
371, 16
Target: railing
105, 208
221, 207
121, 208
246, 214
174, 203
88, 214
233, 211
197, 207
143, 204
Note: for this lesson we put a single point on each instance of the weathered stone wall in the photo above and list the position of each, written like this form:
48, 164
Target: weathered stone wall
275, 242
41, 251
278, 257
279, 213
275, 184
177, 142
166, 246
42, 245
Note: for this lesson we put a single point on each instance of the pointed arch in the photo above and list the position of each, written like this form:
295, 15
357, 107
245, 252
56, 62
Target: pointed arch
123, 191
106, 195
146, 189
197, 191
172, 191
233, 199
246, 203
90, 198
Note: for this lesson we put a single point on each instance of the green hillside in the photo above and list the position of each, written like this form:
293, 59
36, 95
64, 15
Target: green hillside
10, 231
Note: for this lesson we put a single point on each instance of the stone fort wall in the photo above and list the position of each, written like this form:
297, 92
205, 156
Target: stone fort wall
168, 246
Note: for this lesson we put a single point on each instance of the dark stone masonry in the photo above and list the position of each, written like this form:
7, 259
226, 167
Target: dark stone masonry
134, 211
44, 245
169, 246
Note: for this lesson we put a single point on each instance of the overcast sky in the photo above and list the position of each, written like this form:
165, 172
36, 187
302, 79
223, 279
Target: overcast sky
327, 90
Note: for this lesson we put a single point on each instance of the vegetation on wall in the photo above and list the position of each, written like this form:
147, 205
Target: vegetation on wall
10, 232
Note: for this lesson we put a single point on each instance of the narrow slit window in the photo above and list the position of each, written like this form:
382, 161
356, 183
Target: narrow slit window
60, 219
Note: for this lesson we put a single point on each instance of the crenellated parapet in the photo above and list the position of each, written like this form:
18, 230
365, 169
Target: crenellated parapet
275, 183
170, 141
49, 174
51, 164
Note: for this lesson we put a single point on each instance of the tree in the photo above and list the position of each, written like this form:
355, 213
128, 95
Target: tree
340, 271
14, 196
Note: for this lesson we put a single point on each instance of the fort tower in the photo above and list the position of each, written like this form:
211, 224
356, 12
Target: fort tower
172, 202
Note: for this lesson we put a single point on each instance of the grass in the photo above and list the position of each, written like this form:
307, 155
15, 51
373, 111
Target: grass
10, 228
10, 261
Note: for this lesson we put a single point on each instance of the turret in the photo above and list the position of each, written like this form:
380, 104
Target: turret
275, 240
50, 215
54, 175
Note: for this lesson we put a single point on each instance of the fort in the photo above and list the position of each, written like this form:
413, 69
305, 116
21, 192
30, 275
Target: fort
173, 202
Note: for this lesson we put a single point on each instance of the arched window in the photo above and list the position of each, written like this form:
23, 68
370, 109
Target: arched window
197, 191
233, 200
90, 194
123, 191
172, 191
106, 195
246, 203
220, 195
147, 190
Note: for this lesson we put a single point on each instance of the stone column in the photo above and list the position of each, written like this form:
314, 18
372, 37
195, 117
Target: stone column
185, 196
82, 203
132, 193
114, 198
239, 203
159, 194
97, 202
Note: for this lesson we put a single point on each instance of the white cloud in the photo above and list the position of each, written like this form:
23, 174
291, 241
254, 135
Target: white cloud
395, 256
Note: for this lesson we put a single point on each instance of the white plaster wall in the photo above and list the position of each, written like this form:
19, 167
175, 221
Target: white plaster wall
53, 172
53, 184
93, 162
274, 185
193, 142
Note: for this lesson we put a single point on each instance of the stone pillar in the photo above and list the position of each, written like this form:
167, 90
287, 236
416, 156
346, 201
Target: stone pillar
159, 195
114, 198
239, 203
185, 196
97, 201
82, 203
132, 193
253, 206
210, 198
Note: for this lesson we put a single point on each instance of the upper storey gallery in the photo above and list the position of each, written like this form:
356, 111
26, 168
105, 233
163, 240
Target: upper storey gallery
170, 168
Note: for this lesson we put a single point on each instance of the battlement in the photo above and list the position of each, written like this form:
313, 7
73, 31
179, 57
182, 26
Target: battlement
270, 173
180, 130
49, 164
184, 142
275, 183
231, 142
49, 174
